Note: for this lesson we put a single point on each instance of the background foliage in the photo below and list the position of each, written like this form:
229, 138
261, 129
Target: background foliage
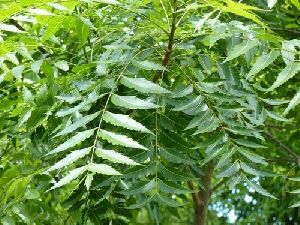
139, 112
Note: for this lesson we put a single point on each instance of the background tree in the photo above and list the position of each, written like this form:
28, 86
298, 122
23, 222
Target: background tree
148, 112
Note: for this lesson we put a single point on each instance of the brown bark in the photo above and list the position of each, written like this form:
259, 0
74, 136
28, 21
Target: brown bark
202, 198
169, 50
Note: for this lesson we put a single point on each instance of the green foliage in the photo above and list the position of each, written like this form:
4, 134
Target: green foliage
108, 110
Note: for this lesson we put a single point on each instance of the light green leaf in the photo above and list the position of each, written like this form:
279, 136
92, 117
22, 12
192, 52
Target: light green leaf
54, 24
201, 22
234, 181
78, 123
252, 156
143, 85
288, 72
295, 179
275, 101
102, 169
63, 65
10, 28
262, 62
124, 121
297, 191
69, 159
76, 139
258, 188
248, 143
132, 102
293, 103
297, 4
297, 204
118, 139
147, 65
234, 168
252, 171
40, 12
241, 49
271, 3
92, 97
113, 2
72, 175
88, 180
115, 157
276, 116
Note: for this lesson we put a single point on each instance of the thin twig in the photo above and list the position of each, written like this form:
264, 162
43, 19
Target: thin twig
283, 146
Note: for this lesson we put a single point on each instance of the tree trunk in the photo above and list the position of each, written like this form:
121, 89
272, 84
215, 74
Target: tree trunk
202, 198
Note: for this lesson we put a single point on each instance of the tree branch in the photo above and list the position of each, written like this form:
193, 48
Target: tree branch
169, 50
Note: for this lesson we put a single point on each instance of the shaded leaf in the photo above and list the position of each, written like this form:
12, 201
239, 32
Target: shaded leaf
114, 157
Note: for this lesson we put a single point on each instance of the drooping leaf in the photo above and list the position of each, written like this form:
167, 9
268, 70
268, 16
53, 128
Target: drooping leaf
293, 103
297, 191
124, 121
144, 202
182, 92
140, 171
241, 49
297, 204
276, 116
76, 139
10, 28
88, 181
115, 157
230, 171
69, 159
132, 102
262, 62
54, 24
247, 143
72, 175
192, 105
255, 172
252, 156
79, 123
295, 178
140, 188
118, 139
258, 188
143, 85
171, 188
287, 73
175, 156
102, 169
